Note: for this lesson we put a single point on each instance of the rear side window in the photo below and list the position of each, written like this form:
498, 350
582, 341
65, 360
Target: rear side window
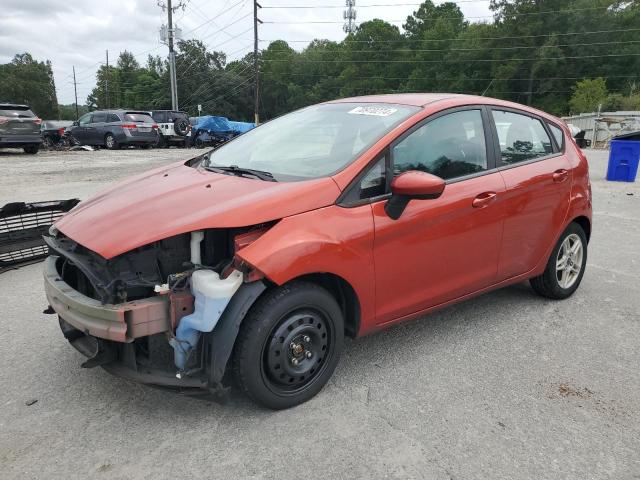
99, 117
521, 137
112, 117
558, 135
138, 117
450, 146
160, 117
16, 112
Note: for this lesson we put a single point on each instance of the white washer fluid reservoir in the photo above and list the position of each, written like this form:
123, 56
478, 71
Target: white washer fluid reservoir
212, 295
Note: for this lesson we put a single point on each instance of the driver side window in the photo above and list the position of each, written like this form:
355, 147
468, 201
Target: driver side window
84, 119
450, 146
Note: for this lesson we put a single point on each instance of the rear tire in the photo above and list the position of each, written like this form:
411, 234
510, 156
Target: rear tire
110, 142
289, 345
162, 142
31, 149
565, 267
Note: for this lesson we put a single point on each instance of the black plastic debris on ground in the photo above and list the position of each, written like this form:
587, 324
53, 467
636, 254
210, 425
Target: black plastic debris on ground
21, 228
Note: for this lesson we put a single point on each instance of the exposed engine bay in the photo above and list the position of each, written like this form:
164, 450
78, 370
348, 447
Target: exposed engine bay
191, 278
134, 275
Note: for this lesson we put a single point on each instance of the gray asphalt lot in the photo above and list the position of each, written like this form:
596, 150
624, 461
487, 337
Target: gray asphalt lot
504, 386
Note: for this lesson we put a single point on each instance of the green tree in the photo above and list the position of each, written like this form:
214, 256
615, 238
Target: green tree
588, 95
25, 80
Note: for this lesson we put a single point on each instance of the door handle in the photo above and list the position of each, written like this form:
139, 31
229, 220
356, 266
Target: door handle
560, 176
484, 199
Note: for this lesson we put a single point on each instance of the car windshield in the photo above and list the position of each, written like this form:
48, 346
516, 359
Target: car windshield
313, 142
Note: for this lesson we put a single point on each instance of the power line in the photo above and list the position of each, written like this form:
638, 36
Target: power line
469, 79
458, 60
368, 5
457, 39
412, 50
461, 17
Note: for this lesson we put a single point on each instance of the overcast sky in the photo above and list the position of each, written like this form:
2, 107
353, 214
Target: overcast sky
78, 32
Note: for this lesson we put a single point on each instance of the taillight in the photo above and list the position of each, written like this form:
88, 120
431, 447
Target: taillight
4, 120
154, 126
129, 125
61, 131
37, 121
245, 239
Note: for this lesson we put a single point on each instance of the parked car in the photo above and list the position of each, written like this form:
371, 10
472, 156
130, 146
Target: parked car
339, 219
53, 132
173, 127
19, 128
115, 128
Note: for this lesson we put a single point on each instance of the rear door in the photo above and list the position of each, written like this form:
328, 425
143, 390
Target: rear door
537, 176
18, 120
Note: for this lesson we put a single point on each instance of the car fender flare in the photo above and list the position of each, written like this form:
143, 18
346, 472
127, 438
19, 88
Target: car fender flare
223, 337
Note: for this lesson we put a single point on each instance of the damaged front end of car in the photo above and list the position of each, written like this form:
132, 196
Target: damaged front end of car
164, 314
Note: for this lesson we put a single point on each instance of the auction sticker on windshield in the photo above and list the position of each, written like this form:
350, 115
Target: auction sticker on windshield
375, 111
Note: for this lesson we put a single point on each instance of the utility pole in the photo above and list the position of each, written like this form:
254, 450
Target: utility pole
256, 65
167, 36
349, 16
172, 58
106, 83
75, 90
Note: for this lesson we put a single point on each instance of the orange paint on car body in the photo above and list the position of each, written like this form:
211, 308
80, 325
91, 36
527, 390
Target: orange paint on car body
482, 232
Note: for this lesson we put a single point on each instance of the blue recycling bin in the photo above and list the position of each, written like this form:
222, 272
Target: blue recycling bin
624, 157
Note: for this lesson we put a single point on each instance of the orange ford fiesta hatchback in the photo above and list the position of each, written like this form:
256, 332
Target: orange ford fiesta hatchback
252, 262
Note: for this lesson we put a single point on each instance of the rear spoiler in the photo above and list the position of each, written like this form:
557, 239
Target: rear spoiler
22, 226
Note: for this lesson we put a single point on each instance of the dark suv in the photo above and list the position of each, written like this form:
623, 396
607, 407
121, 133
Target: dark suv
19, 128
173, 126
115, 128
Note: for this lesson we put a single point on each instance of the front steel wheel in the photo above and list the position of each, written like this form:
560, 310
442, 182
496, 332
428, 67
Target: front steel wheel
565, 267
288, 345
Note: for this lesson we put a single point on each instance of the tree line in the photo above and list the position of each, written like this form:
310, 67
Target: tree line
563, 56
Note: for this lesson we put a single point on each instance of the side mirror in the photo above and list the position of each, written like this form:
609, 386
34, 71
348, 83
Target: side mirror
412, 185
75, 124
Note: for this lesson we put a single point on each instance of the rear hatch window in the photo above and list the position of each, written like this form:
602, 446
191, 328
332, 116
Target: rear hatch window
16, 112
137, 117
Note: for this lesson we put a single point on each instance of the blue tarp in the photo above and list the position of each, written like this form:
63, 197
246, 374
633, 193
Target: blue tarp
215, 124
241, 127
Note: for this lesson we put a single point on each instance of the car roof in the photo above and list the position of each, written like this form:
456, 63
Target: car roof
424, 99
413, 99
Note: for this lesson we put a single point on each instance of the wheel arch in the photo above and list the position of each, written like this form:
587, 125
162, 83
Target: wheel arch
343, 293
585, 224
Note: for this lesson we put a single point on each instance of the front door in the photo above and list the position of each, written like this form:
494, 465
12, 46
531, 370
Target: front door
79, 132
537, 176
445, 248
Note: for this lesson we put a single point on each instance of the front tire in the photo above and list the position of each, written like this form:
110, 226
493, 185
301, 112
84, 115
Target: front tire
289, 345
565, 267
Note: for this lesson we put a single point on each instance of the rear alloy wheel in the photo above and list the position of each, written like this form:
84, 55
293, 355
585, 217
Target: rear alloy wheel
31, 149
110, 141
288, 345
565, 267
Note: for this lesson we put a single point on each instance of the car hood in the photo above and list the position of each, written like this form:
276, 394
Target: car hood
177, 199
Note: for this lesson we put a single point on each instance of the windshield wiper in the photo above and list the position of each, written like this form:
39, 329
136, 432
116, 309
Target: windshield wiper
261, 174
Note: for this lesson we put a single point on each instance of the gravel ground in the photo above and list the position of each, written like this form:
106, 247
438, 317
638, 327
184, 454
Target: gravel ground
504, 386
